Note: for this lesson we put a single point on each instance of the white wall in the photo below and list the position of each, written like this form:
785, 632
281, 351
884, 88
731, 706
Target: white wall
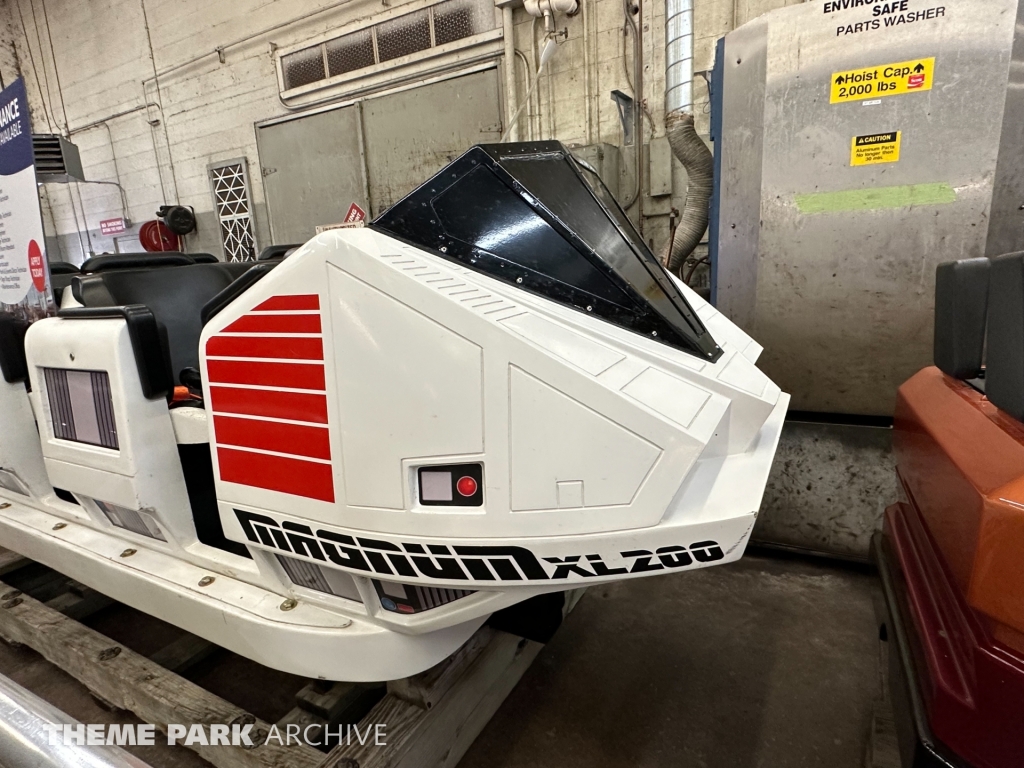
89, 67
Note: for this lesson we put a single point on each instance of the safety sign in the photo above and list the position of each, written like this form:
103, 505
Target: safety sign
893, 79
874, 148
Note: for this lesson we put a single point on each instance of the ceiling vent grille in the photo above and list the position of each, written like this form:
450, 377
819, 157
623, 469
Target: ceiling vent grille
417, 34
56, 159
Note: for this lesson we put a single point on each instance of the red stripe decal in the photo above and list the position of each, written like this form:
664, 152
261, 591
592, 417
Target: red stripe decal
288, 375
275, 324
298, 301
282, 348
295, 439
277, 473
296, 406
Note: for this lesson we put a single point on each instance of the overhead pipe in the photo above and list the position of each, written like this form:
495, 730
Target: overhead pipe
26, 722
511, 97
686, 145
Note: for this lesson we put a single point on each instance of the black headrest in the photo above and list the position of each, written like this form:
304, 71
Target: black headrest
1004, 369
12, 348
136, 261
961, 301
253, 275
175, 296
63, 268
278, 251
204, 258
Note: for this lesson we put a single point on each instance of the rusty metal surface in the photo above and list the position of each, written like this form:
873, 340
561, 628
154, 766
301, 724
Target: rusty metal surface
828, 488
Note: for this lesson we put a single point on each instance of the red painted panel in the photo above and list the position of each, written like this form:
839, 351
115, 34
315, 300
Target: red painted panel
289, 375
297, 406
296, 302
957, 453
277, 473
973, 689
958, 540
275, 324
282, 348
296, 439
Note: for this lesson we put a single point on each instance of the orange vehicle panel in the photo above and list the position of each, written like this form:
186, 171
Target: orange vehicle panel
961, 461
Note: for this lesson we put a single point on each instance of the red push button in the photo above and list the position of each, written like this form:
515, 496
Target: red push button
466, 486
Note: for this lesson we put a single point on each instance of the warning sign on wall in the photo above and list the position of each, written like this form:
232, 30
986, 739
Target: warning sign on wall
875, 148
883, 80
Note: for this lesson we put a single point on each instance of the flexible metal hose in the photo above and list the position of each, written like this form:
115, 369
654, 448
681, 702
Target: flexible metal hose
696, 158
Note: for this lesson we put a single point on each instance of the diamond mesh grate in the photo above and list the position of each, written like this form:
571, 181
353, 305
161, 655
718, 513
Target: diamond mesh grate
456, 19
303, 67
350, 52
404, 35
440, 24
231, 195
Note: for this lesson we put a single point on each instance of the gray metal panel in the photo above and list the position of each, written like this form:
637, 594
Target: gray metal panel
843, 302
740, 144
605, 160
412, 134
1006, 221
312, 172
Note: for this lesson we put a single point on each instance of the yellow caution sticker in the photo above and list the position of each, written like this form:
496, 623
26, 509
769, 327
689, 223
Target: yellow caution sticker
883, 80
874, 148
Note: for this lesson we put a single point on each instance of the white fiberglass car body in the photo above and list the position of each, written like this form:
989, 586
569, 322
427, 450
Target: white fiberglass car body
491, 394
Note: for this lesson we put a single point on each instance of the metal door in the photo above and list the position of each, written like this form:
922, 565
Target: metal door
312, 172
412, 134
313, 168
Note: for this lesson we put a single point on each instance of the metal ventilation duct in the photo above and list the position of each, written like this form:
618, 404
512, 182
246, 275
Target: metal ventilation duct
57, 159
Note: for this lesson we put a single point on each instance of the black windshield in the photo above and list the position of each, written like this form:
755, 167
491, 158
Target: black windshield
530, 215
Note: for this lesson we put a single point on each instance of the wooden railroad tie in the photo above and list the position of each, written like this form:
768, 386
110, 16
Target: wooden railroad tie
429, 720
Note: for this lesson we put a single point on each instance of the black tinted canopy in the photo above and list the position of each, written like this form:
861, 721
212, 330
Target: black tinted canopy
533, 216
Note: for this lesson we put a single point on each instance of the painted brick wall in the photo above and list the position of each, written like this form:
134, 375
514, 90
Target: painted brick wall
89, 68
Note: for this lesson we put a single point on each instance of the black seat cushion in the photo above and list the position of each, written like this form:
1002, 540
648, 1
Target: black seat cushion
136, 261
1004, 369
961, 302
174, 295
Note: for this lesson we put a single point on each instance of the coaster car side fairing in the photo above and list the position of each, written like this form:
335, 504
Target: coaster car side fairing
406, 435
950, 549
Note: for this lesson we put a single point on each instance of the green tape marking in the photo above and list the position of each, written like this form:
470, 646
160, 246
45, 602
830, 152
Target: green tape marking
873, 199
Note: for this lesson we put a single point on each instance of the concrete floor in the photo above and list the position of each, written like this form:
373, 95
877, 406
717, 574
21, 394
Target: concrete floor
766, 662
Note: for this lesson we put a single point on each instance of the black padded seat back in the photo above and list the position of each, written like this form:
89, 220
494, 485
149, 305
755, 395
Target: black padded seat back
136, 261
204, 258
174, 295
63, 268
275, 252
1004, 369
961, 303
58, 282
13, 366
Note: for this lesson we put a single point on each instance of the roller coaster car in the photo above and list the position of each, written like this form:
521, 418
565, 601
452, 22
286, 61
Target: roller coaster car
489, 396
952, 548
